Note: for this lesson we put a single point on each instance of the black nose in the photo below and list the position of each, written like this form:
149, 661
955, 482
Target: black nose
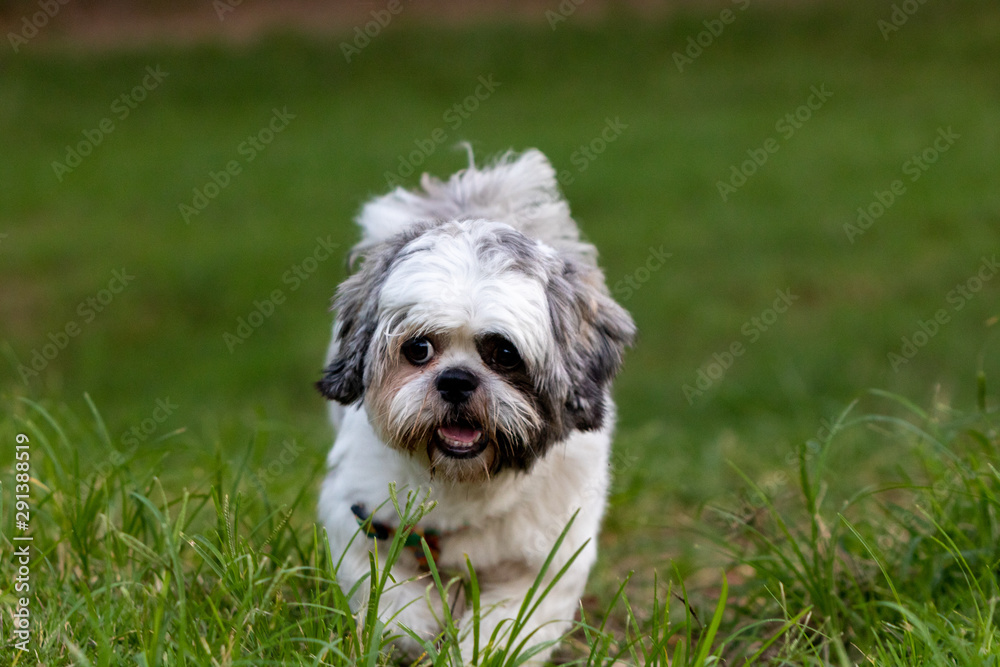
456, 385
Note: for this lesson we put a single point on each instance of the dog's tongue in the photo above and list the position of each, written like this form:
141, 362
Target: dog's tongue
460, 433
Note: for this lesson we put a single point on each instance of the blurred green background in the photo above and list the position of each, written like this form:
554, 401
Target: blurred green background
654, 187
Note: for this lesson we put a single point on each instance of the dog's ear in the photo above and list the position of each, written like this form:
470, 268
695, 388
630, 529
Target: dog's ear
356, 304
591, 331
343, 378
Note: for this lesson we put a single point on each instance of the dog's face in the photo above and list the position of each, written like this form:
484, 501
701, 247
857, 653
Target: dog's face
474, 347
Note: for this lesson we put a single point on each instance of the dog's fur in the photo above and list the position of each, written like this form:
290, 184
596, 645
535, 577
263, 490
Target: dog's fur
471, 358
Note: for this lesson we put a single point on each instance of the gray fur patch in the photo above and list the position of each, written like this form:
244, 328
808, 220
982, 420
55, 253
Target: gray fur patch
356, 304
519, 252
591, 332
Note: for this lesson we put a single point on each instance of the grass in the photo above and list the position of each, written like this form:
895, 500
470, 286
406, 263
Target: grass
812, 541
903, 573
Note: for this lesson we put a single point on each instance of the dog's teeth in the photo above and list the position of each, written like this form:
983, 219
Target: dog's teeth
454, 443
467, 439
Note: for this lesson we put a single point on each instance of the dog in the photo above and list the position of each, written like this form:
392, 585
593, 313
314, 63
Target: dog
471, 359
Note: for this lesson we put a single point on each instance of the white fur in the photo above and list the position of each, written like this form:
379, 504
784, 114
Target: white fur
452, 289
508, 524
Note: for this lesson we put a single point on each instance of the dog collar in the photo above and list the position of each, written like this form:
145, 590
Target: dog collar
383, 531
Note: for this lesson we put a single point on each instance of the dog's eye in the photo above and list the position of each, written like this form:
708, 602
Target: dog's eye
505, 355
418, 351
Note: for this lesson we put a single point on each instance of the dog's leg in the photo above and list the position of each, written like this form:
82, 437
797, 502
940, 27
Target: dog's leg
500, 602
408, 602
410, 606
403, 601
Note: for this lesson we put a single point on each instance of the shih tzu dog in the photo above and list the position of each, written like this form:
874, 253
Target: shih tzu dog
471, 359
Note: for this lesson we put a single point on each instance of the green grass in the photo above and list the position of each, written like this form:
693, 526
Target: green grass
904, 572
160, 341
125, 570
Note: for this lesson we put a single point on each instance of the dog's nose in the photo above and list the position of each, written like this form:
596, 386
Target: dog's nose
456, 385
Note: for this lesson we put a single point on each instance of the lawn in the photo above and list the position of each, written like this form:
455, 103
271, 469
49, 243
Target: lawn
797, 209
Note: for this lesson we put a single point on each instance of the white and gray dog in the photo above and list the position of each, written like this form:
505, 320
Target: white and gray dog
472, 357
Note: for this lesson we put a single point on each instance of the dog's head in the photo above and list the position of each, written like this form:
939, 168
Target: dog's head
475, 346
480, 338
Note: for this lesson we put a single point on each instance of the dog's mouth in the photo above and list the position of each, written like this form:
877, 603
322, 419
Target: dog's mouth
460, 440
